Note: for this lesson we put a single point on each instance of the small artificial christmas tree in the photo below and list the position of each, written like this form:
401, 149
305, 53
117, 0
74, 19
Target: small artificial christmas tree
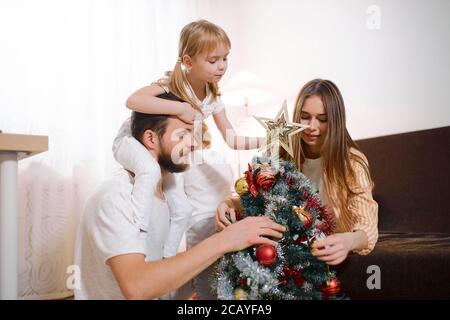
275, 188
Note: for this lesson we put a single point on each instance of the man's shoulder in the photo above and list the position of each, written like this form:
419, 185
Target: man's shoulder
119, 180
115, 190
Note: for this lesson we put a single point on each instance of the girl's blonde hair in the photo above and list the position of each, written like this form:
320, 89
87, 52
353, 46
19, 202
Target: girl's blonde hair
195, 38
339, 151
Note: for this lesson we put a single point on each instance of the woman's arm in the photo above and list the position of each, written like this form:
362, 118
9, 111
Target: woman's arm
145, 100
335, 248
363, 211
231, 138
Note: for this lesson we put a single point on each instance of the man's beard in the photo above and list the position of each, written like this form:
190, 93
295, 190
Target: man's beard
166, 163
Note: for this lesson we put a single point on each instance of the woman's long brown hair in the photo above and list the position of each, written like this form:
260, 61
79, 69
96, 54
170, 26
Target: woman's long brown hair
338, 150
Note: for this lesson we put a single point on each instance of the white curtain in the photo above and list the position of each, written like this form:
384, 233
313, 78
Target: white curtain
66, 69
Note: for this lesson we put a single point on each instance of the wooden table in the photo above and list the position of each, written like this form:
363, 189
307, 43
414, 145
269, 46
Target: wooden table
13, 147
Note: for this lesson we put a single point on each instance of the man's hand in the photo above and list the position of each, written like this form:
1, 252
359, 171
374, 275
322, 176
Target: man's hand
334, 248
250, 231
221, 220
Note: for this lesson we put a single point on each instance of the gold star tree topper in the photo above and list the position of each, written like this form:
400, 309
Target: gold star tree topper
280, 131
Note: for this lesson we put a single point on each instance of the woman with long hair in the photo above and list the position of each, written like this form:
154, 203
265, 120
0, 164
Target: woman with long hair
329, 157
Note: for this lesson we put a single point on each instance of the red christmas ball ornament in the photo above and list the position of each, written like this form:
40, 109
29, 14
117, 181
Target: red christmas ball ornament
297, 275
243, 282
265, 179
330, 288
266, 254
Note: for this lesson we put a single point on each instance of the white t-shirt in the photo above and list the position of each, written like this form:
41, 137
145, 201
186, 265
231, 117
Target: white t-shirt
207, 183
194, 195
107, 229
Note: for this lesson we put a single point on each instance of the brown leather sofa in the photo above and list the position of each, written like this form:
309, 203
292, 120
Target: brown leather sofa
412, 188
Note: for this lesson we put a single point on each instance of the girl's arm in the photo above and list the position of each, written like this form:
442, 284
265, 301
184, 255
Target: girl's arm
145, 100
231, 138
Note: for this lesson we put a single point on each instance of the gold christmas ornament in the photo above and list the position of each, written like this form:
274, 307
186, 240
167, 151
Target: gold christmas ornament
241, 186
303, 215
240, 294
280, 131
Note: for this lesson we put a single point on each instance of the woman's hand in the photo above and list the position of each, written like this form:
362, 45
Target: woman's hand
334, 248
186, 113
221, 220
250, 231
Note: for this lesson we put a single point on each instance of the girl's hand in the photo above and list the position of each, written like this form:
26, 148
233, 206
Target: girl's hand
250, 231
221, 220
187, 113
334, 248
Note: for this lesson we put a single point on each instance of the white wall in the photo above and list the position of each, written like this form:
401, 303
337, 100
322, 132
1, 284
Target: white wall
394, 79
68, 65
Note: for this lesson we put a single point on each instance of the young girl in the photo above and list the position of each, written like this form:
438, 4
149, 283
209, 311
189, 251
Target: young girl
327, 155
202, 62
